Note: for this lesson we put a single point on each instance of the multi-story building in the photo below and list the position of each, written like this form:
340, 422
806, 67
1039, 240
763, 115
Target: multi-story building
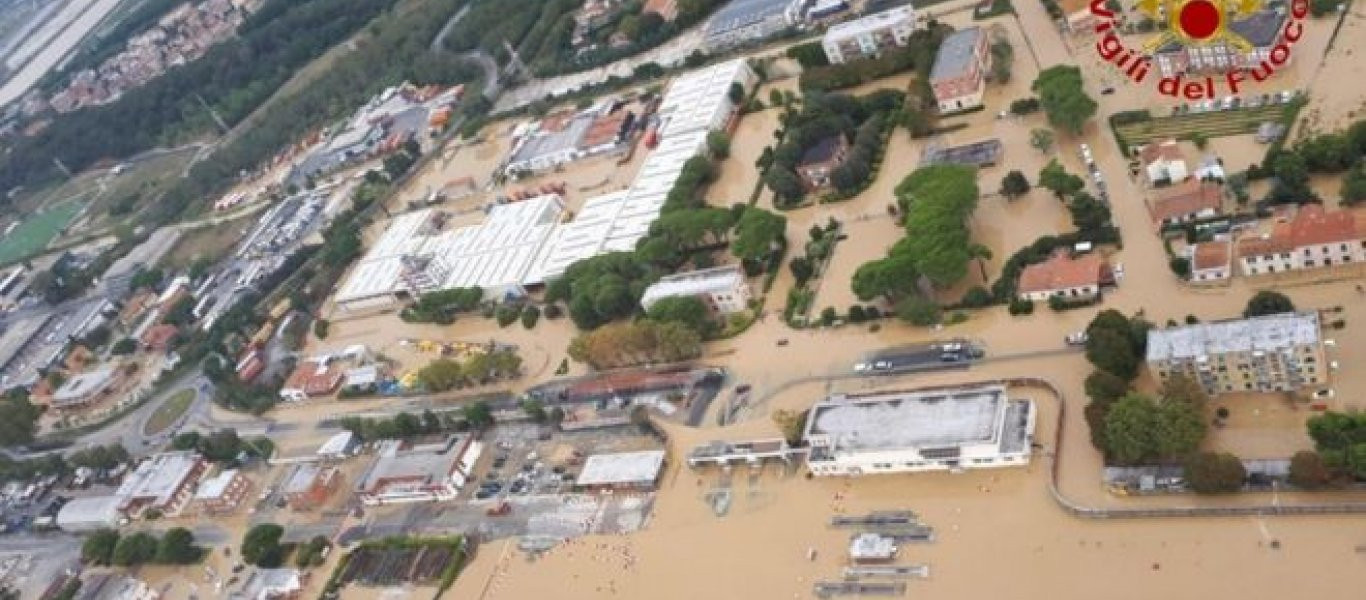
1271, 353
743, 21
1263, 30
1163, 162
164, 482
923, 430
309, 485
1312, 239
221, 493
870, 35
959, 74
406, 472
723, 289
1210, 261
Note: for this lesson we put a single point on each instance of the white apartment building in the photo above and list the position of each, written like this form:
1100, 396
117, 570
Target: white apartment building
922, 430
1271, 353
870, 35
723, 289
1312, 239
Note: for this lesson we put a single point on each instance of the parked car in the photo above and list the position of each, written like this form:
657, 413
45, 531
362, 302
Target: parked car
882, 365
862, 367
1076, 339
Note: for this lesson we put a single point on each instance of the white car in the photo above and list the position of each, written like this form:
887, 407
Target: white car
1324, 394
882, 365
1330, 343
862, 367
1076, 339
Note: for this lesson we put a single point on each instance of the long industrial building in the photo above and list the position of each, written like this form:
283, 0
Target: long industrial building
925, 430
417, 254
524, 244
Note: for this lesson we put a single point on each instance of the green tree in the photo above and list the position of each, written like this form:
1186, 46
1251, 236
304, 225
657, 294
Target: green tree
18, 419
1215, 473
736, 93
177, 548
98, 549
506, 313
1056, 179
919, 311
479, 415
530, 314
1267, 302
261, 546
1088, 214
124, 347
891, 278
1063, 99
757, 234
1105, 387
135, 549
718, 143
688, 310
1129, 425
1308, 471
784, 183
802, 269
1041, 140
1112, 352
1014, 185
535, 409
1354, 186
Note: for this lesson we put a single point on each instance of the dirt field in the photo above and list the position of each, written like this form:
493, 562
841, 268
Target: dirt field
210, 241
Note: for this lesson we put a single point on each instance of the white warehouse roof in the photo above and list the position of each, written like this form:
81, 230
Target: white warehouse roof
873, 22
700, 99
1268, 333
622, 468
494, 254
86, 514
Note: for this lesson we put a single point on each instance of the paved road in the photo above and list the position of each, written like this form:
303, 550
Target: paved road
492, 83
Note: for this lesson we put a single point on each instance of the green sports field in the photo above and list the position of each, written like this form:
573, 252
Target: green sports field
33, 233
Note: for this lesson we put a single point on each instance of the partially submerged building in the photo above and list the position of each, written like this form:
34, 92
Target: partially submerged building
421, 472
163, 482
869, 36
1312, 239
743, 21
90, 513
921, 430
622, 471
221, 493
958, 77
309, 485
1071, 278
1270, 353
722, 289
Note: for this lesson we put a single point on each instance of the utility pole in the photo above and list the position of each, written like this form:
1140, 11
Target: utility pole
212, 113
61, 166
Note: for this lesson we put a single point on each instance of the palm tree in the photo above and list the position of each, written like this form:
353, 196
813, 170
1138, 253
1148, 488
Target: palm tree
980, 253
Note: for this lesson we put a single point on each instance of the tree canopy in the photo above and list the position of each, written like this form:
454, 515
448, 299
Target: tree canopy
261, 546
636, 342
937, 202
1268, 302
1055, 178
1063, 99
1139, 429
688, 310
1214, 473
602, 288
757, 234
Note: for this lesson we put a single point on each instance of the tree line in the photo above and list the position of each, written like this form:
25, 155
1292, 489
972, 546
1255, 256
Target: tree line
106, 547
823, 116
234, 78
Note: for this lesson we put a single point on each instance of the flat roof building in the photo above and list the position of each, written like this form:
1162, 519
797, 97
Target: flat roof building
89, 514
621, 471
407, 472
221, 493
920, 430
867, 37
164, 482
696, 103
743, 21
722, 289
1281, 352
83, 388
309, 485
114, 586
417, 254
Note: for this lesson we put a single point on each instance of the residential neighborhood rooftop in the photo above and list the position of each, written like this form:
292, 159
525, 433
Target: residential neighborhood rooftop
1186, 198
1062, 271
